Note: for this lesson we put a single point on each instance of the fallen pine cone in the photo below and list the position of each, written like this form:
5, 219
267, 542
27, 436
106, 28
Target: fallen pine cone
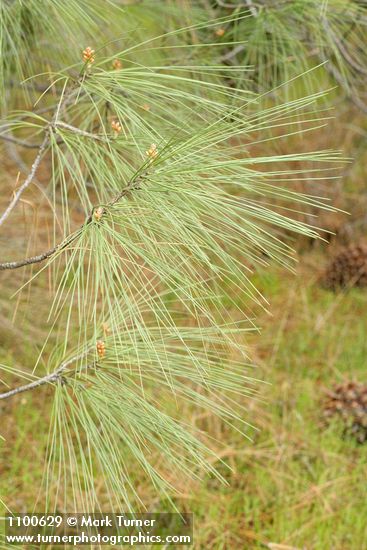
347, 269
348, 402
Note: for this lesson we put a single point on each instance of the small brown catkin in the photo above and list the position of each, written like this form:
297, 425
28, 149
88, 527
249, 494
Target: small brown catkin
152, 152
98, 213
116, 127
88, 55
219, 32
117, 64
101, 348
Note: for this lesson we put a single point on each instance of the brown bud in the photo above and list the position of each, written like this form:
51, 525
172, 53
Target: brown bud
116, 127
116, 64
88, 55
152, 151
98, 213
219, 32
101, 348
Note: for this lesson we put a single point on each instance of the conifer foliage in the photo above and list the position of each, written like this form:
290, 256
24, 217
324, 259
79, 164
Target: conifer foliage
163, 200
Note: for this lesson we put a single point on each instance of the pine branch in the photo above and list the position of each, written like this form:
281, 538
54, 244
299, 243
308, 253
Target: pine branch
232, 53
343, 50
28, 179
201, 222
351, 94
39, 257
53, 377
133, 185
60, 124
252, 8
42, 148
245, 4
21, 142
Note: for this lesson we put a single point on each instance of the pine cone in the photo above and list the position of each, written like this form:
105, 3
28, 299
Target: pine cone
348, 401
348, 268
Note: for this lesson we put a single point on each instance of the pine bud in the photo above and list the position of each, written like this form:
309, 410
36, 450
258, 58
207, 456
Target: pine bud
219, 32
88, 55
116, 64
98, 213
146, 106
116, 127
101, 348
152, 151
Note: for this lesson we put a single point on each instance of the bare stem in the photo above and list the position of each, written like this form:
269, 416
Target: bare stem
53, 377
40, 257
252, 8
245, 4
28, 179
60, 124
20, 142
350, 93
43, 146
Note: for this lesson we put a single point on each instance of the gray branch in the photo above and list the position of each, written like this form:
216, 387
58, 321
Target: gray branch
53, 377
20, 142
232, 53
28, 261
245, 4
37, 161
350, 93
60, 124
28, 179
